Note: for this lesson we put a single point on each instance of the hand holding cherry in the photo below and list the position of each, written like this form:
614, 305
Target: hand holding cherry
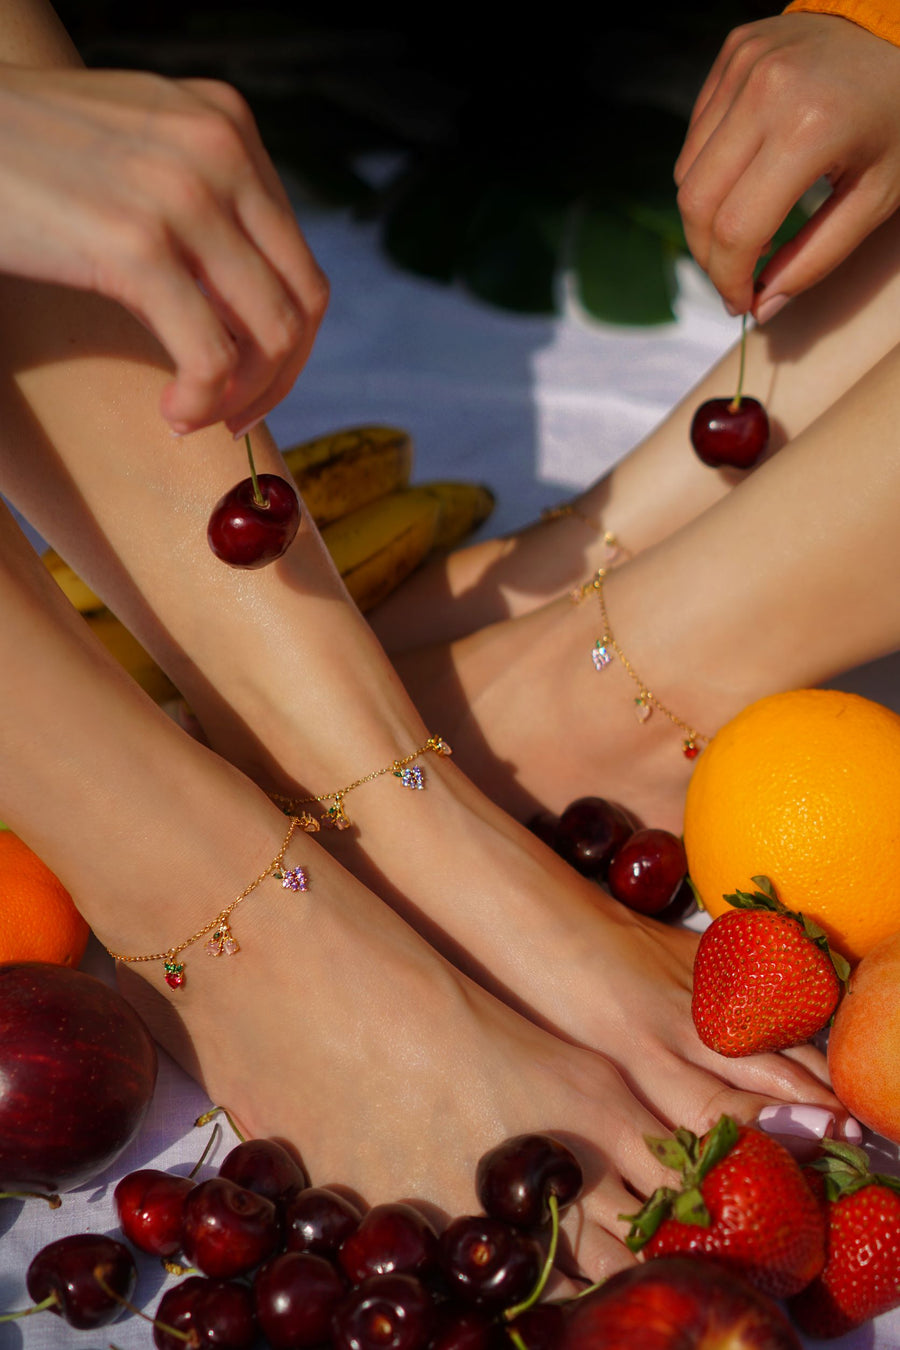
255, 522
732, 432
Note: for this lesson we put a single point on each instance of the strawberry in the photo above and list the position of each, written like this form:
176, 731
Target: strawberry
745, 1203
861, 1277
764, 977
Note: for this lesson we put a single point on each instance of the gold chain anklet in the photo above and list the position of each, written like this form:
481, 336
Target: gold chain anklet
223, 940
646, 700
615, 551
411, 775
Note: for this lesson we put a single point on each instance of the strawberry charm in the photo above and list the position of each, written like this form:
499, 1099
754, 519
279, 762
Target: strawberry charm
744, 1203
764, 977
861, 1278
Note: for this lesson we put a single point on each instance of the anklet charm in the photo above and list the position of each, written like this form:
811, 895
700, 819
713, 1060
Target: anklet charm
222, 941
646, 701
334, 817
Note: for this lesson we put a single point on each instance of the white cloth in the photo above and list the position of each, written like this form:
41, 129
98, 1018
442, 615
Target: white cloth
533, 407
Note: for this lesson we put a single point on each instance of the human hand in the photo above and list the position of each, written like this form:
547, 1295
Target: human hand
789, 100
159, 194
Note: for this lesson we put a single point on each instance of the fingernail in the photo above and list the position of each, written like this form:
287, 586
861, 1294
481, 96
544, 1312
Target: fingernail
853, 1131
179, 429
770, 307
244, 431
797, 1122
730, 308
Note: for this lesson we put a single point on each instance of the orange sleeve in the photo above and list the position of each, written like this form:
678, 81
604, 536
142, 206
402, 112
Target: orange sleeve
881, 17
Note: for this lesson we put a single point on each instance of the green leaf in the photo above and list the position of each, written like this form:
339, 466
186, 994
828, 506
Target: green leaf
624, 272
648, 1219
690, 1207
513, 249
428, 218
720, 1140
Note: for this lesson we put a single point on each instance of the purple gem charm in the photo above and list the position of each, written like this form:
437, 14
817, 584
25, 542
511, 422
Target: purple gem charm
412, 777
600, 655
294, 879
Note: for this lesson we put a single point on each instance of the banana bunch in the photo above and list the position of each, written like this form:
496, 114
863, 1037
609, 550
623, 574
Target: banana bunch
377, 528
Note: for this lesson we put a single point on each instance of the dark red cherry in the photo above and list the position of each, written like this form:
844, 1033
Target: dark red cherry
468, 1329
385, 1312
149, 1204
228, 1230
647, 871
489, 1263
544, 826
589, 832
515, 1180
730, 432
318, 1220
391, 1237
218, 1312
245, 533
265, 1167
66, 1271
294, 1297
541, 1327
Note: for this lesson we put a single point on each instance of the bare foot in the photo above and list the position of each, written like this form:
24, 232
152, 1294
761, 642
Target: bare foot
336, 1027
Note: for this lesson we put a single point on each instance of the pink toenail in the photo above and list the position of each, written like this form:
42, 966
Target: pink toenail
853, 1131
797, 1122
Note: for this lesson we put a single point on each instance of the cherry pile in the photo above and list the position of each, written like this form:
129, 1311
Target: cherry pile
303, 1266
646, 869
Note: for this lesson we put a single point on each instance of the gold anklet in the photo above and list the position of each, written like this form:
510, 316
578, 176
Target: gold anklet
615, 551
646, 701
411, 775
223, 940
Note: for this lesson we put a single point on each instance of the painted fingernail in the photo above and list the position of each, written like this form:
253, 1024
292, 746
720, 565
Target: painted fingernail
797, 1122
239, 435
768, 308
732, 310
853, 1131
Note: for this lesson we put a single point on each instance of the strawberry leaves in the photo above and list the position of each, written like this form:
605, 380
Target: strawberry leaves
765, 898
692, 1157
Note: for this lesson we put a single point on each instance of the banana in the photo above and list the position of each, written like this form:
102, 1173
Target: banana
126, 649
70, 583
338, 473
464, 506
377, 546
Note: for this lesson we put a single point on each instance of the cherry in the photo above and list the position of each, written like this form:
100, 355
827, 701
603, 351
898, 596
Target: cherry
541, 1327
83, 1278
648, 870
255, 521
294, 1297
391, 1237
265, 1167
149, 1204
226, 1229
544, 825
468, 1329
488, 1262
385, 1312
515, 1180
218, 1312
318, 1220
731, 431
589, 832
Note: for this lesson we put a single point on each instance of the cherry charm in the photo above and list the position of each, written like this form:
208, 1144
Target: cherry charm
255, 522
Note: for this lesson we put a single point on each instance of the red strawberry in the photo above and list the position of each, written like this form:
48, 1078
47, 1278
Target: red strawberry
861, 1278
745, 1203
764, 978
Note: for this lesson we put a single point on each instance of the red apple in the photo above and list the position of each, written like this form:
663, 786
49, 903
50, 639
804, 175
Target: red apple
676, 1301
77, 1072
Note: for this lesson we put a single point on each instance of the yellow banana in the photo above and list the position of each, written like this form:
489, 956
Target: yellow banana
377, 546
464, 506
338, 473
126, 649
76, 590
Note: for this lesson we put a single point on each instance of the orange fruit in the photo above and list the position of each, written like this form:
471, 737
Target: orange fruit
804, 788
38, 921
864, 1042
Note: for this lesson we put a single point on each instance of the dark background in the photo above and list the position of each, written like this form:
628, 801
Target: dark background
507, 151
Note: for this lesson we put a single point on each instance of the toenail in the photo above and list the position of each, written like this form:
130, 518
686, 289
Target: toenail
853, 1131
797, 1122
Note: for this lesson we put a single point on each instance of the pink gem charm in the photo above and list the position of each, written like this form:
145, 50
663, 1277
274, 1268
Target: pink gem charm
642, 708
174, 974
223, 942
601, 655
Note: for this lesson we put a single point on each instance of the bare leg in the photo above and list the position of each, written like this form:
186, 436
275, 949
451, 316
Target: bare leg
798, 365
780, 585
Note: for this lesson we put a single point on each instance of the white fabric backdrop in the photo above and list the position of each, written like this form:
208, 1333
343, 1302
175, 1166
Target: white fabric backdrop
536, 408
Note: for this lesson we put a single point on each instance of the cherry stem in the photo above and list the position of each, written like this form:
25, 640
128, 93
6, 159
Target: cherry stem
52, 1200
223, 1110
189, 1337
736, 401
50, 1301
516, 1338
512, 1313
214, 1135
258, 498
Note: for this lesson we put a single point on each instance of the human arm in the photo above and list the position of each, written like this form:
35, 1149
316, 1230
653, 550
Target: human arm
789, 100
